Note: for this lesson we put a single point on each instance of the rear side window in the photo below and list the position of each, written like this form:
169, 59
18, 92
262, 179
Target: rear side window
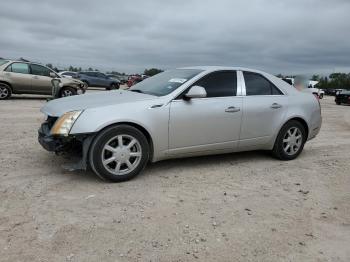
219, 84
256, 85
20, 68
40, 70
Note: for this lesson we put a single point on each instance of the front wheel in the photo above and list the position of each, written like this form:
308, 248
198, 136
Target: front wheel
67, 91
119, 153
5, 91
290, 141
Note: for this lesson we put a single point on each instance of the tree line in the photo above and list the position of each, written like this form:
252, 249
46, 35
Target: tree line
148, 72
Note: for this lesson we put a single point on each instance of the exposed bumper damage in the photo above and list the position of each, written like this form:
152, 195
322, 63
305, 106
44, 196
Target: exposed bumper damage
74, 145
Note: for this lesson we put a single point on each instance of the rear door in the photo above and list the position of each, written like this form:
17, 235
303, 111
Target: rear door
41, 80
20, 79
264, 107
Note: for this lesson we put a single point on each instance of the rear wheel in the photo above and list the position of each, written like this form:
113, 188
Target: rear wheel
5, 91
67, 91
119, 153
290, 141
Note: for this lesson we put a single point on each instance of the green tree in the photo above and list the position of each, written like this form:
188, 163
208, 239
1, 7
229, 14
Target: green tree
315, 78
152, 71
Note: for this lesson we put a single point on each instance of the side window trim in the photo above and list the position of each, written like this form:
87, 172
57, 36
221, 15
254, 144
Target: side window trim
244, 91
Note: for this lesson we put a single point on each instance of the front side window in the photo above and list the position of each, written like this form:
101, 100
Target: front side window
164, 83
40, 70
256, 85
20, 68
219, 84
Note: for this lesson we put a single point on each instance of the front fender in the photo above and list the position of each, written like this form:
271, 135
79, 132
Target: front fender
154, 120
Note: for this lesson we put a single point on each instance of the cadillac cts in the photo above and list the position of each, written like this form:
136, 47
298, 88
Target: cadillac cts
180, 113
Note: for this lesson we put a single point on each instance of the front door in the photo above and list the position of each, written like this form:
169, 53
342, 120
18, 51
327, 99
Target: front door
207, 124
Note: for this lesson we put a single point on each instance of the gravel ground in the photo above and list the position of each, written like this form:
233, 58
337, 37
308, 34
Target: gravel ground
235, 207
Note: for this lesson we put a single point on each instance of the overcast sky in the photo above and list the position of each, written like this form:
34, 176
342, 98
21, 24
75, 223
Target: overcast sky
278, 36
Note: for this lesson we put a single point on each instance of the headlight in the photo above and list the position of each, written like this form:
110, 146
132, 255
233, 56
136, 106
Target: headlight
64, 124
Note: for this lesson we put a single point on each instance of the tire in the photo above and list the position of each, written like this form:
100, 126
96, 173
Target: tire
281, 149
114, 86
86, 84
67, 91
321, 96
338, 103
5, 91
120, 165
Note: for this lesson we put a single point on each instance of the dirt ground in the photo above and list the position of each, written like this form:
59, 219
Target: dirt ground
236, 207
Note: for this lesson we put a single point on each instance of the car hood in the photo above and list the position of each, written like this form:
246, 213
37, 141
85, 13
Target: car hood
60, 106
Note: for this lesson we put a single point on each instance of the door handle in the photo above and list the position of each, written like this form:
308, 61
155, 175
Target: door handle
35, 77
232, 109
275, 106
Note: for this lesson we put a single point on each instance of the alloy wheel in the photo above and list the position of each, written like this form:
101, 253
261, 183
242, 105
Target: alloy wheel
66, 92
292, 141
121, 154
4, 92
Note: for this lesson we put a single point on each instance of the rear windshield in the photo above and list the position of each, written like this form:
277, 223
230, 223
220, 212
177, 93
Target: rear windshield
2, 62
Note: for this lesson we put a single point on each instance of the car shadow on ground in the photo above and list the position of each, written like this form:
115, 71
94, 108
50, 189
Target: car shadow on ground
172, 166
21, 97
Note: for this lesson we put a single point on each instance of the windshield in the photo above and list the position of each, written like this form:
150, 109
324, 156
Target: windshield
2, 62
164, 83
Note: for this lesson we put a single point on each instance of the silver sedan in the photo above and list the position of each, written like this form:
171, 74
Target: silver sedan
181, 113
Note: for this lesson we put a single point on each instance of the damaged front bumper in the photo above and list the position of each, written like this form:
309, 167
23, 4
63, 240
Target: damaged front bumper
76, 145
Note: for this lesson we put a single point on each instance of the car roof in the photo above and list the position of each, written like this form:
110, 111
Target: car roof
215, 68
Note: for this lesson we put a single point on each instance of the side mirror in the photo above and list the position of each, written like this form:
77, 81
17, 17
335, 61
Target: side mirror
53, 75
196, 92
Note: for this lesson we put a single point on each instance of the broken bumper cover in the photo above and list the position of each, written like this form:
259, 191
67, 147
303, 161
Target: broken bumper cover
49, 142
60, 144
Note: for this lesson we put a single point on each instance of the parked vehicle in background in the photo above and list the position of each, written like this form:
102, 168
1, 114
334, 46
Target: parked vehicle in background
303, 84
68, 74
179, 113
133, 80
97, 79
342, 98
19, 77
123, 79
115, 77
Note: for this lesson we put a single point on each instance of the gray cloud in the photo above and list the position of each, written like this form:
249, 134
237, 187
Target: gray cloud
290, 36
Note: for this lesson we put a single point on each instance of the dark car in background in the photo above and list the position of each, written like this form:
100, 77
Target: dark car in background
97, 79
342, 97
